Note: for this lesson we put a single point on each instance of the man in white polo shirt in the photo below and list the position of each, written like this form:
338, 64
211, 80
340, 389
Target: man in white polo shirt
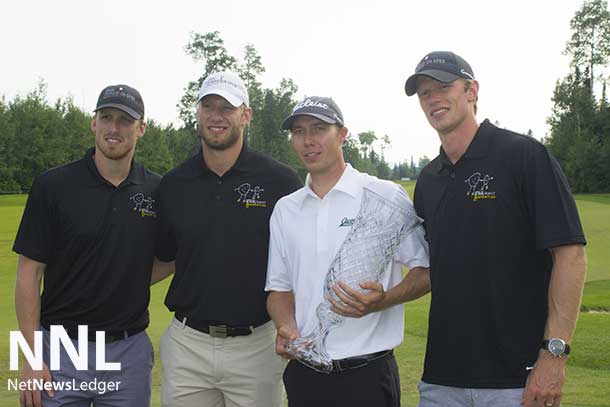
307, 229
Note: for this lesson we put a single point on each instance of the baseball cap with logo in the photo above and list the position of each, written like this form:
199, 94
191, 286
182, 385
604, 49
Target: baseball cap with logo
444, 66
121, 97
322, 108
225, 84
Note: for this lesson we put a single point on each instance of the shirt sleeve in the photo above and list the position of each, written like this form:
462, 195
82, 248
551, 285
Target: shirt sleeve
278, 277
36, 232
413, 250
549, 202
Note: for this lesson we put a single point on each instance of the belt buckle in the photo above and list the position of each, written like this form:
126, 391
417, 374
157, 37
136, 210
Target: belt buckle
218, 331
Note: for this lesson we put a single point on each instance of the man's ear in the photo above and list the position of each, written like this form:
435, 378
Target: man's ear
473, 91
343, 131
247, 115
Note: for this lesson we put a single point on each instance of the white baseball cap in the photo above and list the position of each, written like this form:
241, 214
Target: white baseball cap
225, 84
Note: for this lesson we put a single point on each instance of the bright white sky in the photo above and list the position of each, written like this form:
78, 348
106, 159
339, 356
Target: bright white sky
358, 52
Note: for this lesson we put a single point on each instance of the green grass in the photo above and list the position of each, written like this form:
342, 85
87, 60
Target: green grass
588, 373
596, 296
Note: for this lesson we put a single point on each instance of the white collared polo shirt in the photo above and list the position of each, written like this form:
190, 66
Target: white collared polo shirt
307, 232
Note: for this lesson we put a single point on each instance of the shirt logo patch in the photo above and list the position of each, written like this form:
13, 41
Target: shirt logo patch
346, 222
144, 205
478, 187
250, 196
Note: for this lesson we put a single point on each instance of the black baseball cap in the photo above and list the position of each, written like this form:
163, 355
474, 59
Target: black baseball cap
444, 66
320, 107
122, 97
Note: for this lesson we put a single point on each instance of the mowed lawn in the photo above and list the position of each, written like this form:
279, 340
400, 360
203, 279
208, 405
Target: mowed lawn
588, 381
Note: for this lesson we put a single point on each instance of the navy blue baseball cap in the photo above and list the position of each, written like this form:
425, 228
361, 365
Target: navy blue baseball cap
322, 108
122, 97
443, 66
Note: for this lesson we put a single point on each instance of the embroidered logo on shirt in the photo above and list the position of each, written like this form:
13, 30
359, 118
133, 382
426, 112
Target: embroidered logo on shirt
478, 187
144, 205
346, 222
250, 196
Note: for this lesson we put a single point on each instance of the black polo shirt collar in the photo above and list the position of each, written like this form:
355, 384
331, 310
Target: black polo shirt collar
196, 166
136, 172
478, 148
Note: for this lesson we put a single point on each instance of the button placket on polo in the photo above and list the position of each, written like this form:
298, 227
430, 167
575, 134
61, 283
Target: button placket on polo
114, 202
218, 188
322, 226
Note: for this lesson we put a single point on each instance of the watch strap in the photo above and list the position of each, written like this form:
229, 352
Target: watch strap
545, 346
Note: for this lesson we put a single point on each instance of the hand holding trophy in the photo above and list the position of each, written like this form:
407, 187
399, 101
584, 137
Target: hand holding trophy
363, 256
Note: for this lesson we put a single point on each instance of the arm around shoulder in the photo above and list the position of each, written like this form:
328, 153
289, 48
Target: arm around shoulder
161, 270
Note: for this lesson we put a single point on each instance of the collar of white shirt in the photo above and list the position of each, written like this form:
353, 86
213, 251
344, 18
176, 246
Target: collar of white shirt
348, 183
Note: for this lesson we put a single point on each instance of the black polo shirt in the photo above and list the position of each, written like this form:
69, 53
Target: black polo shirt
97, 242
489, 220
217, 230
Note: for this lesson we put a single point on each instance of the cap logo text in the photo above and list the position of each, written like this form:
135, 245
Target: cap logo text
310, 103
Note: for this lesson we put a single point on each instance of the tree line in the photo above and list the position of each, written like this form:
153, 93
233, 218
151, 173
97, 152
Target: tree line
580, 120
36, 135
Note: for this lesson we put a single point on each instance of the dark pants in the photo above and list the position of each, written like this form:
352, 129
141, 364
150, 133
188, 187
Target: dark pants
128, 387
376, 384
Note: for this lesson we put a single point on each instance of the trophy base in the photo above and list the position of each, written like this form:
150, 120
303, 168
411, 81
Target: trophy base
311, 353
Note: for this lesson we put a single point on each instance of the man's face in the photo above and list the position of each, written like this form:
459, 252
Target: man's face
220, 124
317, 144
446, 105
116, 133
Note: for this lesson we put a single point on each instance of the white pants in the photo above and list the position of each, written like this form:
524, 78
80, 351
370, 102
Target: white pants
202, 371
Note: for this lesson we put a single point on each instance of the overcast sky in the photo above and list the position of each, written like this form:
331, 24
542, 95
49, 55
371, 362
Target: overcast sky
358, 52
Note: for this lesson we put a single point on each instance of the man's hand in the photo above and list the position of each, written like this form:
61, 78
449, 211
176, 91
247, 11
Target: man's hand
33, 398
544, 386
284, 335
356, 304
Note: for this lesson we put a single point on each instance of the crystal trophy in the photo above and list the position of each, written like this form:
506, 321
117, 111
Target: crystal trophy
363, 256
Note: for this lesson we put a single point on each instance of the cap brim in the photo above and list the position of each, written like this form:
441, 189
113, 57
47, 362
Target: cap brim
232, 99
287, 123
128, 110
441, 76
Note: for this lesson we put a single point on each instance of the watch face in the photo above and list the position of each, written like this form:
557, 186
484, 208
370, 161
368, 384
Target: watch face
557, 346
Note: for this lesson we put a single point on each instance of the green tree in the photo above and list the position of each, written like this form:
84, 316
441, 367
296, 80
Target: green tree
579, 122
183, 143
208, 48
36, 137
423, 161
249, 70
270, 106
589, 45
7, 141
367, 138
351, 151
152, 149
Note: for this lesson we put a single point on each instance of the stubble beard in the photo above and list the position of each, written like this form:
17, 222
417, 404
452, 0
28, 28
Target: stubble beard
219, 144
114, 154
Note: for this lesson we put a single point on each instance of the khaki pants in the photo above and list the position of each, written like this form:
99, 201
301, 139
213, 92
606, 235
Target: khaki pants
202, 371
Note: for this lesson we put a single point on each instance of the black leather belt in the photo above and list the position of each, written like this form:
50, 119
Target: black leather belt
354, 362
216, 330
109, 336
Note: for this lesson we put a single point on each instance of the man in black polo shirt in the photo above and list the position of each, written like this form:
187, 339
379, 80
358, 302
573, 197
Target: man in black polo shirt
214, 222
88, 230
507, 253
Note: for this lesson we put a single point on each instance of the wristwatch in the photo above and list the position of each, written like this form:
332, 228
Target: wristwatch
556, 347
